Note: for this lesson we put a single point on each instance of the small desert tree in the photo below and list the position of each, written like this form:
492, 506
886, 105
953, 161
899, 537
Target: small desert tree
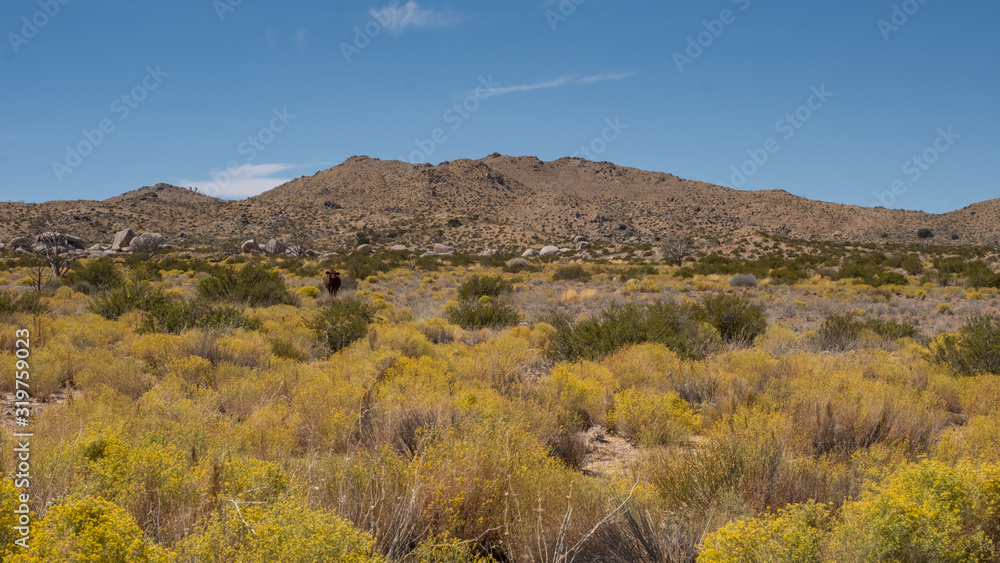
677, 247
51, 248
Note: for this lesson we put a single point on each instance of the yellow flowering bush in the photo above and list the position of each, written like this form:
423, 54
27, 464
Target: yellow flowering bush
90, 529
793, 534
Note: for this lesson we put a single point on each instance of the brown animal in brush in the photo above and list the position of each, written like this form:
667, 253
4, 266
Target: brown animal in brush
332, 282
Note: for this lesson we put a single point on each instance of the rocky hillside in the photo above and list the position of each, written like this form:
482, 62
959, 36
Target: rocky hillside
498, 201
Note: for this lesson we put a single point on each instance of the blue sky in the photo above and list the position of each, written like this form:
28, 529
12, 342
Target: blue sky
863, 102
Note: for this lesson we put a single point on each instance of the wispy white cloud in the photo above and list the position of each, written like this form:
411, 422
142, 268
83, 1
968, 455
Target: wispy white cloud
561, 81
541, 84
605, 76
412, 15
244, 181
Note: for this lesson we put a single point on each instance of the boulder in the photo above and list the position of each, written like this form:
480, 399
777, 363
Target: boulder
311, 252
365, 249
74, 240
18, 241
583, 245
250, 245
326, 255
444, 249
399, 249
529, 252
548, 250
430, 255
274, 247
579, 238
517, 262
96, 248
2, 247
122, 239
490, 252
565, 250
147, 242
96, 254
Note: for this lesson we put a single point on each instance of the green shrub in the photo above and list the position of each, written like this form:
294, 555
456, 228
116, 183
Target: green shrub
975, 349
682, 328
172, 263
341, 323
892, 329
925, 233
787, 276
911, 263
145, 271
360, 266
639, 272
736, 318
888, 278
979, 274
130, 296
840, 332
97, 275
950, 265
743, 280
11, 303
174, 316
252, 285
518, 265
575, 272
484, 286
484, 312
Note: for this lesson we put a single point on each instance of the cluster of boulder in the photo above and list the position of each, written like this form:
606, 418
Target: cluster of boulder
127, 242
68, 246
274, 247
439, 250
51, 241
581, 243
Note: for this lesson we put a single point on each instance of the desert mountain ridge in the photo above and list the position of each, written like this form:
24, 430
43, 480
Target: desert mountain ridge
494, 202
